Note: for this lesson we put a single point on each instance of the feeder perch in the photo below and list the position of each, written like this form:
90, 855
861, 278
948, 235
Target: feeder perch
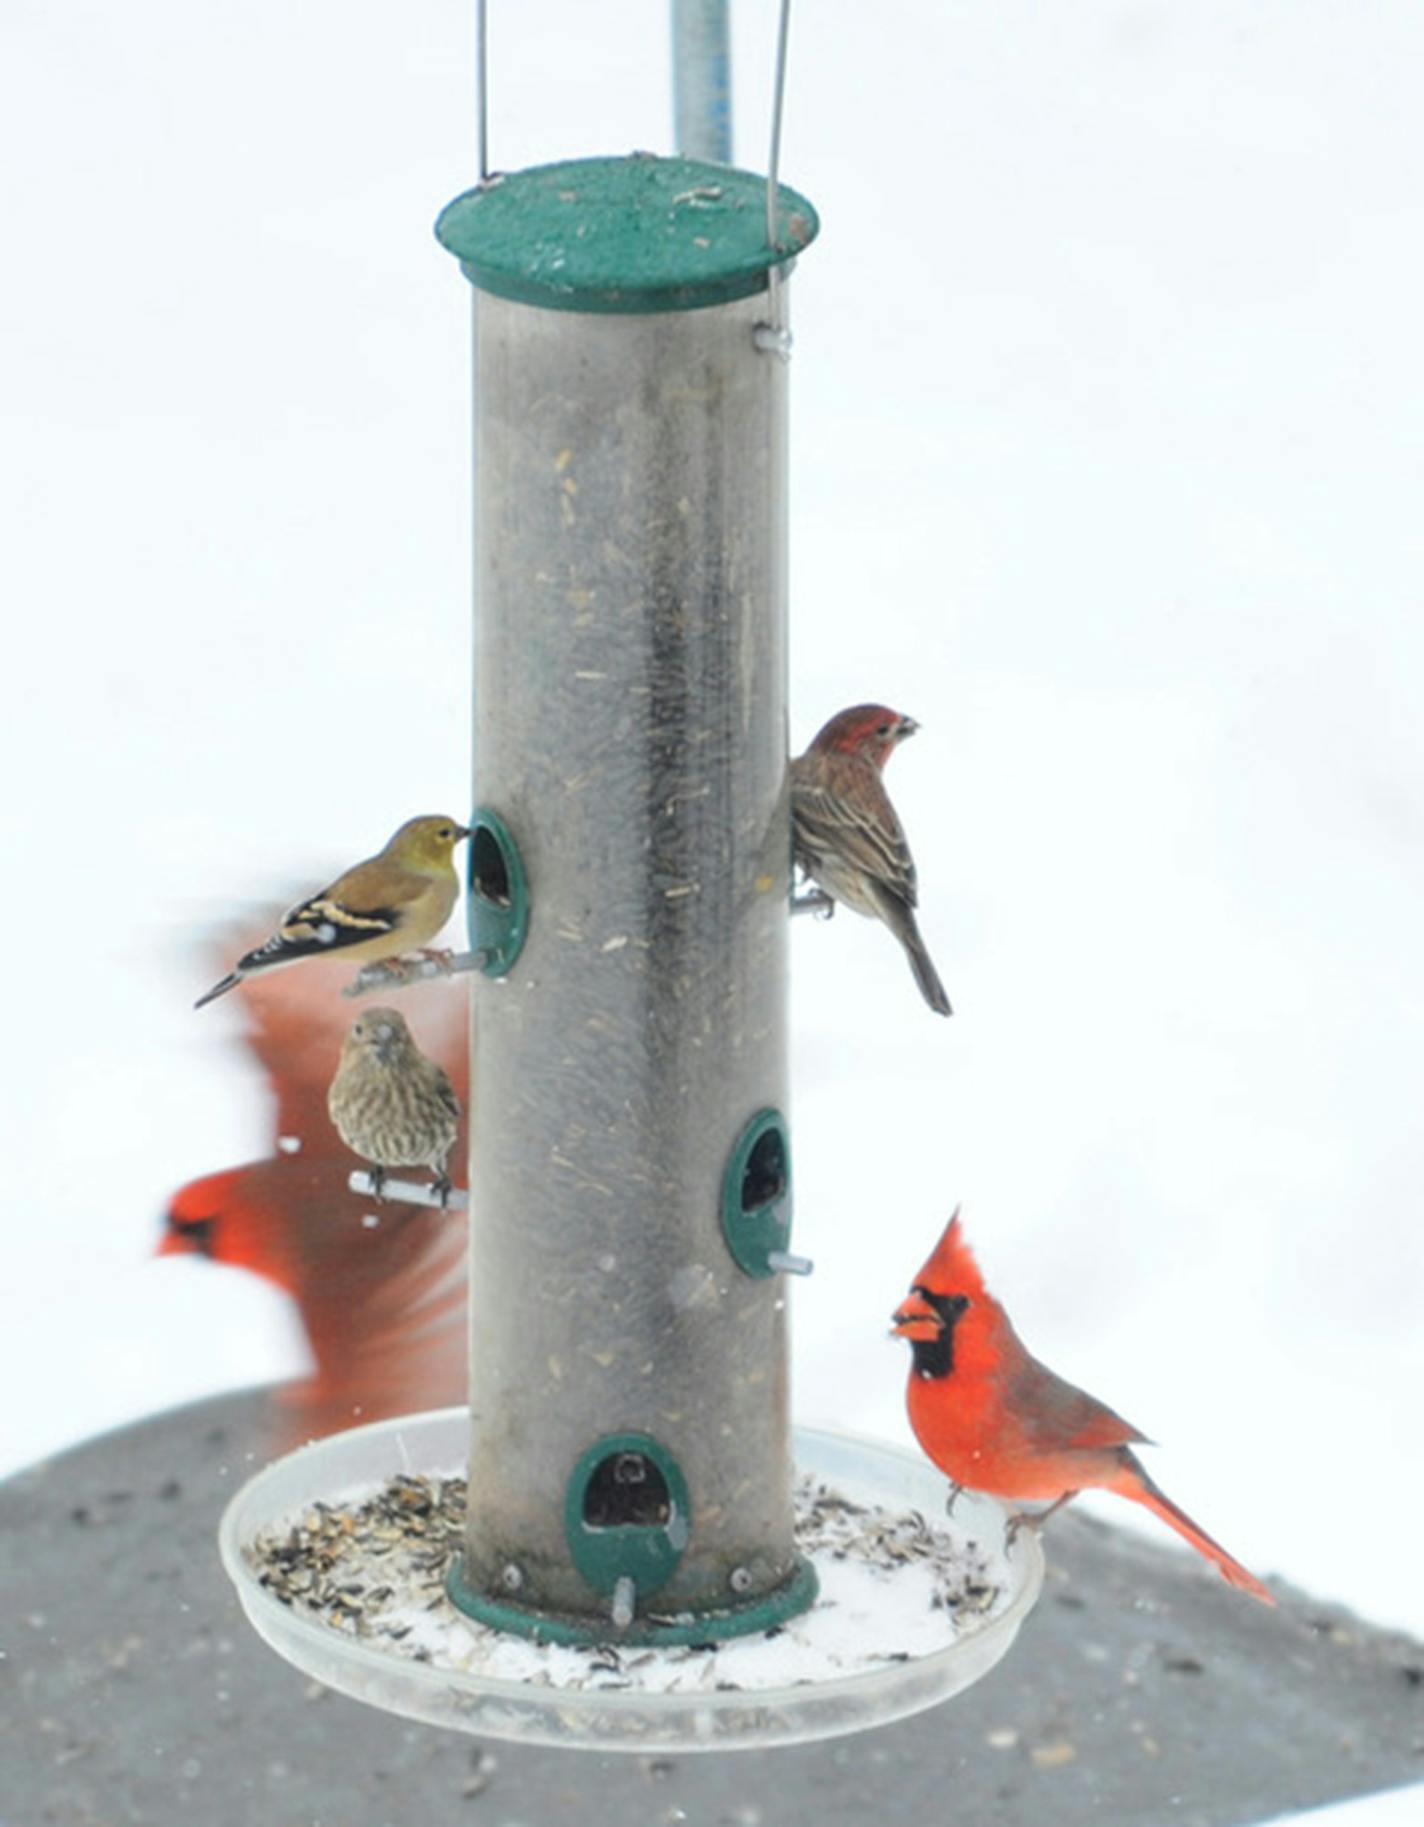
407, 1192
397, 974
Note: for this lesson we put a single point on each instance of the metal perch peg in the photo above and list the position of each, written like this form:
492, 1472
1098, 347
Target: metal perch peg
395, 975
409, 1192
811, 900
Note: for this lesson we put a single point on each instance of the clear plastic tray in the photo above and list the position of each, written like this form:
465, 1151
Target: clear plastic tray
624, 1720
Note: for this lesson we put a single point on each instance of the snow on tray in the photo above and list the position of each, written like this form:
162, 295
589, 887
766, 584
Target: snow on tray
894, 1587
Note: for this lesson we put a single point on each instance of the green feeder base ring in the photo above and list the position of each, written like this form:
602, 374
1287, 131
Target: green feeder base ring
670, 1629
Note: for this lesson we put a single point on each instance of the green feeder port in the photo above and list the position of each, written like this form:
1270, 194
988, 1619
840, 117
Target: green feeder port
499, 894
756, 1196
627, 1522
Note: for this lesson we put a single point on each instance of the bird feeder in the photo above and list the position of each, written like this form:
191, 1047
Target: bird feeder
630, 1461
628, 1449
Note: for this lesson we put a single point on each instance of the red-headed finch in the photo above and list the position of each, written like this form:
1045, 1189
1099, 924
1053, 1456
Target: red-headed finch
994, 1419
846, 835
390, 1104
394, 902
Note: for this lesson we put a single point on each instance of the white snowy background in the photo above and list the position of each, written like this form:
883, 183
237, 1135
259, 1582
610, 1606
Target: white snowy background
1107, 452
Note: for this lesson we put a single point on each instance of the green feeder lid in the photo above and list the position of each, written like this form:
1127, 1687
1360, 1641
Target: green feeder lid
632, 234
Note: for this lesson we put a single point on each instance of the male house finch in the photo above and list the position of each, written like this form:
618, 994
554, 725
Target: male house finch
994, 1419
846, 835
390, 1104
395, 901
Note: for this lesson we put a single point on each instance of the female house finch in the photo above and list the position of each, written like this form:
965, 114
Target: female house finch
994, 1419
383, 1307
390, 1104
847, 837
396, 901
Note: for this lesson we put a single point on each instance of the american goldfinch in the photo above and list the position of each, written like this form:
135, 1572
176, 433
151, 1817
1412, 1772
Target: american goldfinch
382, 1304
396, 901
846, 835
390, 1104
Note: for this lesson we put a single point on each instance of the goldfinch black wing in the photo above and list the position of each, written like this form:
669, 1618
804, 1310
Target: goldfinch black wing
368, 902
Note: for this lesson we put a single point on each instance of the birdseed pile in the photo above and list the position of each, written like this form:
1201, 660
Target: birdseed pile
893, 1588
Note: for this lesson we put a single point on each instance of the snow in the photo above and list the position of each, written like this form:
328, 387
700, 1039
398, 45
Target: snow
894, 1588
1395, 1808
1106, 467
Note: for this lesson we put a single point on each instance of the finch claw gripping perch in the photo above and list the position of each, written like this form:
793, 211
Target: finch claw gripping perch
814, 901
448, 1198
395, 973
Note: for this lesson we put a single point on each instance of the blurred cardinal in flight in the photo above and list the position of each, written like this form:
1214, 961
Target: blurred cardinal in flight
994, 1419
380, 1289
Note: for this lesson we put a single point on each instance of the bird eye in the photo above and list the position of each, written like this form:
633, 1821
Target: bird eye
445, 831
884, 730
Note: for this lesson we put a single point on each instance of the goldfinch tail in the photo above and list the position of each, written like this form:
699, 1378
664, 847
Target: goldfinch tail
230, 982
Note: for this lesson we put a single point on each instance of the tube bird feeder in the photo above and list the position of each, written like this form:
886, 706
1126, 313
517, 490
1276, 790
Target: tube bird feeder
630, 1158
626, 1465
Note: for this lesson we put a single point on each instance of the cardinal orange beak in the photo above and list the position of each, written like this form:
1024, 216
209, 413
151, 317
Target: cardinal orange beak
915, 1318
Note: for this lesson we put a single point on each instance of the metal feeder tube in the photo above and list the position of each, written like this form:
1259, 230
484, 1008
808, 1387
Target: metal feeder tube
630, 1463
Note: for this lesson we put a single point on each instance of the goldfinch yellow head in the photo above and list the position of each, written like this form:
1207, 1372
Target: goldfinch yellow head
425, 842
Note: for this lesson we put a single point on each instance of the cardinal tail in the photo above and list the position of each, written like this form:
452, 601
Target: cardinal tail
1137, 1485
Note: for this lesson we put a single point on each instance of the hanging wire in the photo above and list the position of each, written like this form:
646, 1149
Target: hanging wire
777, 109
482, 87
774, 337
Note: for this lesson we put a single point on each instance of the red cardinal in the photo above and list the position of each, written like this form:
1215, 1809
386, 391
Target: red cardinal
996, 1420
383, 1306
846, 835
